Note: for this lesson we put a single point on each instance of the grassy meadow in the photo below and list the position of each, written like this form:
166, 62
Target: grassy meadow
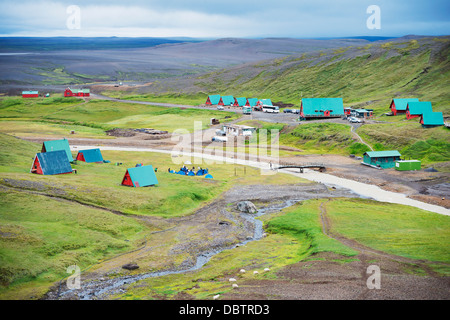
41, 236
395, 229
322, 138
319, 138
100, 184
58, 115
193, 99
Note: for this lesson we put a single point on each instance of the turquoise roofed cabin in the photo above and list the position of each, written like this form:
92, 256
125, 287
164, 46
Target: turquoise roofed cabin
321, 108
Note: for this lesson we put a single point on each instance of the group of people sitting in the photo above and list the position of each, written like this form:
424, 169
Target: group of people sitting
190, 172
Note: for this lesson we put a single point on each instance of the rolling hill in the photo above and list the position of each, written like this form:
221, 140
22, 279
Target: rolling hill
363, 75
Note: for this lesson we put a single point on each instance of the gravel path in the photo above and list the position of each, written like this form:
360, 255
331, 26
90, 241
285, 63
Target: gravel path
359, 138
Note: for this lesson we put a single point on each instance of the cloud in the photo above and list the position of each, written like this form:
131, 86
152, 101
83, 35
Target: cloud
50, 18
232, 18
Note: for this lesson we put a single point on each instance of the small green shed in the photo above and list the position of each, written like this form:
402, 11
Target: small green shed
382, 159
407, 165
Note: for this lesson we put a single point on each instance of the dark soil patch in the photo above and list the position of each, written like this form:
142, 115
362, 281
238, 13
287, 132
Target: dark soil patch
116, 132
32, 185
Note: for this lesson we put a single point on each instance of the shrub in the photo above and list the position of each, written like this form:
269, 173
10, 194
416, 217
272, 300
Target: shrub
358, 148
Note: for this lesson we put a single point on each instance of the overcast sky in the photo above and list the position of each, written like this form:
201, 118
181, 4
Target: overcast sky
218, 18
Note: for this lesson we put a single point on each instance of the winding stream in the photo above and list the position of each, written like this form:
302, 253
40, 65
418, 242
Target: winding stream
100, 289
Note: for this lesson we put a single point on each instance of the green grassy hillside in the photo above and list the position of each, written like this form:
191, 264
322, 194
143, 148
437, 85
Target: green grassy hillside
363, 76
373, 74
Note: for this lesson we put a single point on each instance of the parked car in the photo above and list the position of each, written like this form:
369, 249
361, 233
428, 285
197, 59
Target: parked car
220, 107
287, 111
354, 120
297, 111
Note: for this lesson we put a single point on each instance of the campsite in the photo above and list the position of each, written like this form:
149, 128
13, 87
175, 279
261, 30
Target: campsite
156, 194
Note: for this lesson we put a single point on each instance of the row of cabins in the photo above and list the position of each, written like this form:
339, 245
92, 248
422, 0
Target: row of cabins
56, 158
333, 108
219, 100
413, 108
